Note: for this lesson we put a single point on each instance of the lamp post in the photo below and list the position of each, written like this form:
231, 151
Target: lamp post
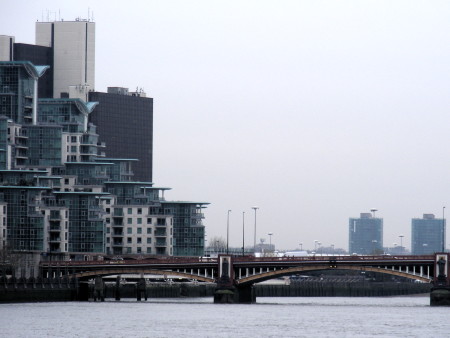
373, 246
443, 229
315, 245
228, 227
254, 238
301, 246
401, 244
243, 232
270, 240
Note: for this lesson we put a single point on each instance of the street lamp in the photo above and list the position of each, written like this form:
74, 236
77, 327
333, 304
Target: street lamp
401, 244
228, 227
424, 248
243, 232
443, 227
373, 246
270, 240
254, 238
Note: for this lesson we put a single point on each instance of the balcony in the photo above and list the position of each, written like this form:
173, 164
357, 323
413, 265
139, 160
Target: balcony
160, 243
118, 213
54, 228
117, 243
54, 239
160, 233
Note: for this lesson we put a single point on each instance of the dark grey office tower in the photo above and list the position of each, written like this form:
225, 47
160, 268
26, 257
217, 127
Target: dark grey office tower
124, 122
365, 235
38, 55
428, 235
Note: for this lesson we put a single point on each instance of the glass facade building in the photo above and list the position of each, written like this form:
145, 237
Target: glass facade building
427, 235
125, 124
365, 235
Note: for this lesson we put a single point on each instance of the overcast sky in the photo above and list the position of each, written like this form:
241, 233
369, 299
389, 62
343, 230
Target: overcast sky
314, 111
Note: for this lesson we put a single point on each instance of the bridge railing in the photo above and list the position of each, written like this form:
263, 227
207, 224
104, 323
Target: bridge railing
334, 258
159, 260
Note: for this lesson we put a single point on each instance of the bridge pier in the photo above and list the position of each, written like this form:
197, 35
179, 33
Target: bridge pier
440, 293
440, 296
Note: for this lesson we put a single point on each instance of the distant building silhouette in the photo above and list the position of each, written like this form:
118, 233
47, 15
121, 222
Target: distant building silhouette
427, 235
365, 235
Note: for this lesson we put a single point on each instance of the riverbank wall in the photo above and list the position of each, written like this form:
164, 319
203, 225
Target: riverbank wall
61, 289
324, 289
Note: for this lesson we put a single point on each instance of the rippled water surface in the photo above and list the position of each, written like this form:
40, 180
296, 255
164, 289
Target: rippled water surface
199, 317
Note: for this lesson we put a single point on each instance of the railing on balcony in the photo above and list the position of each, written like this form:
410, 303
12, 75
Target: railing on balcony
161, 243
160, 233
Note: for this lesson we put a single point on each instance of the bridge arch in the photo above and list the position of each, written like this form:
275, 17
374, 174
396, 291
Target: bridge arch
244, 281
137, 271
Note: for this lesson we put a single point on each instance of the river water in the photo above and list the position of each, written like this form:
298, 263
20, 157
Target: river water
199, 317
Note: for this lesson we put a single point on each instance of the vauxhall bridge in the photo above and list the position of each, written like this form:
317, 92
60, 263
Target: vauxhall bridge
237, 274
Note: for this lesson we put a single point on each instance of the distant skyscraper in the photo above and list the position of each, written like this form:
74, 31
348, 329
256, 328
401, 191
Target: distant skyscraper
428, 235
73, 44
365, 235
124, 122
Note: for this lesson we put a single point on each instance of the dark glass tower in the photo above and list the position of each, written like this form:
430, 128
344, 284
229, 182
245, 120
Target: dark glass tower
365, 235
428, 235
38, 55
125, 123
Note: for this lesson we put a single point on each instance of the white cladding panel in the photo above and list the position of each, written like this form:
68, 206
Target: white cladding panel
5, 47
73, 53
44, 34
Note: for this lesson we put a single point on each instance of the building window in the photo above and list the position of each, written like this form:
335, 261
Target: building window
149, 250
130, 211
139, 230
129, 250
149, 221
139, 220
139, 210
139, 249
149, 240
130, 221
139, 240
129, 230
129, 240
149, 230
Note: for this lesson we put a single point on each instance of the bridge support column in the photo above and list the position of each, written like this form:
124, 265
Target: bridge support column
246, 294
440, 293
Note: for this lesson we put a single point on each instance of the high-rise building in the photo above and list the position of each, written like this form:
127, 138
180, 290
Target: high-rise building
73, 45
365, 235
18, 90
427, 235
6, 48
124, 122
38, 55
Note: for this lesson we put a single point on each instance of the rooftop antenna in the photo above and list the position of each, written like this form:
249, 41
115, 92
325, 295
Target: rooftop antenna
89, 13
59, 14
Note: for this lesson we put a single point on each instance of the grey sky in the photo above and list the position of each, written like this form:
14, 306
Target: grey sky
314, 111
